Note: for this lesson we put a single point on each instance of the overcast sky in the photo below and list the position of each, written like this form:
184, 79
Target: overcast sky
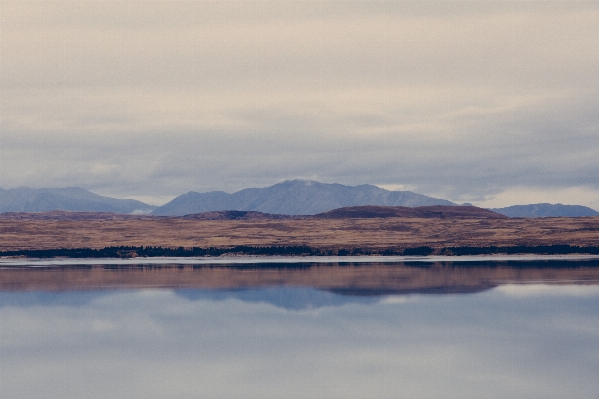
494, 103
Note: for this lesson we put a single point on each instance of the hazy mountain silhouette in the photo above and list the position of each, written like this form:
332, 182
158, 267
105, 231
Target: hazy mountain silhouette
545, 210
74, 199
294, 197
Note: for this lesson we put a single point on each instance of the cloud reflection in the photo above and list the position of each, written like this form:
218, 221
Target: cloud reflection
165, 343
533, 290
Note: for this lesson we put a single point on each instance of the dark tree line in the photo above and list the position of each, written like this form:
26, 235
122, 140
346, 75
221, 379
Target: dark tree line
129, 252
562, 249
298, 250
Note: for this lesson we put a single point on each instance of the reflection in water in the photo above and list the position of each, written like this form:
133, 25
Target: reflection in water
301, 341
348, 278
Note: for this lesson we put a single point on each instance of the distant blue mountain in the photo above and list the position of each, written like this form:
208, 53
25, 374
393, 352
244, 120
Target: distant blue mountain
73, 199
545, 210
294, 197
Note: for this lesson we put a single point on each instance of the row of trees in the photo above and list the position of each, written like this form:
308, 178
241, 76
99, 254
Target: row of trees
131, 252
522, 249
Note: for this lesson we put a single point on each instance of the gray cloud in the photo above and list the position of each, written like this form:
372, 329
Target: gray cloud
463, 100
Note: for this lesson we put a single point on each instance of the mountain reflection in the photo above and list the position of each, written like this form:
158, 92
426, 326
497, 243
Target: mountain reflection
352, 279
289, 298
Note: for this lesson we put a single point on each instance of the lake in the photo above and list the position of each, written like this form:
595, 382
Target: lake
300, 328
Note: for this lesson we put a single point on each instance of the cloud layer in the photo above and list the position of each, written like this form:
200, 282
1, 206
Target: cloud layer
476, 102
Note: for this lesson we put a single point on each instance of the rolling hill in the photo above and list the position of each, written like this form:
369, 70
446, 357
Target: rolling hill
422, 212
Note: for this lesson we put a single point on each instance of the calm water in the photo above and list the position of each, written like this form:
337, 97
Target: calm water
432, 330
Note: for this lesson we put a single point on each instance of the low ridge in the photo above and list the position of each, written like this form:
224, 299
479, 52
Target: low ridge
438, 211
237, 215
359, 212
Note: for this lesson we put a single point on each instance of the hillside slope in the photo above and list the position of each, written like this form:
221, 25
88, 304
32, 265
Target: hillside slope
425, 212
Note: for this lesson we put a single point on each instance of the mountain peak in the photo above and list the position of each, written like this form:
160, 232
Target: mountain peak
298, 182
295, 197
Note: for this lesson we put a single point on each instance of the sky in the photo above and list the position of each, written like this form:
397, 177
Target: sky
492, 103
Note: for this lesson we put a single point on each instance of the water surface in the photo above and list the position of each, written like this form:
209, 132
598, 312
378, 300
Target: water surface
329, 330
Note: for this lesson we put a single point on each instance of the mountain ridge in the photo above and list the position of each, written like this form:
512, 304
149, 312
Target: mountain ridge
291, 198
294, 197
25, 199
545, 210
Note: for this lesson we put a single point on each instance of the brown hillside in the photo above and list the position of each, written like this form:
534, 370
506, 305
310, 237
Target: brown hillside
426, 212
351, 212
238, 215
74, 230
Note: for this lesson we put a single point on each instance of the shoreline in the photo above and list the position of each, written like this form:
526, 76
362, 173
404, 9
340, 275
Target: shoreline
249, 260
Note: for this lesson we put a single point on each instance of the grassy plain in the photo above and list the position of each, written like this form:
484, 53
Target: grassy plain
88, 230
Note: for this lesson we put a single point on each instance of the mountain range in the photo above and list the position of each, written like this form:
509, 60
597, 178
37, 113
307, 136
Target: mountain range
292, 197
73, 199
